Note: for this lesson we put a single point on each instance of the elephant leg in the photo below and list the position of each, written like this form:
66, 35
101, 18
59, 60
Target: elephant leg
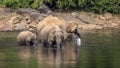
54, 45
28, 43
58, 46
61, 45
45, 44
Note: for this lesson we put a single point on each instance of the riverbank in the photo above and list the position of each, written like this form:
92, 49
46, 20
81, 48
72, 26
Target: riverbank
27, 19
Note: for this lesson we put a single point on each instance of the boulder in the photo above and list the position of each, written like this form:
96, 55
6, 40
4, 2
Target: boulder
102, 17
108, 16
8, 10
45, 9
32, 25
82, 17
24, 11
21, 26
7, 29
114, 25
34, 15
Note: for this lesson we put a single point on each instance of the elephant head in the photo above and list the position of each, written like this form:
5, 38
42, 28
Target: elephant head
56, 37
74, 33
32, 40
26, 38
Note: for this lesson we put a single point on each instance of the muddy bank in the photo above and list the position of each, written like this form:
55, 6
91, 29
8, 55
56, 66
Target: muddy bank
27, 19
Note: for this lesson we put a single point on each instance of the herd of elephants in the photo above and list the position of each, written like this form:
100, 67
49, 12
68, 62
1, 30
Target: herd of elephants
50, 32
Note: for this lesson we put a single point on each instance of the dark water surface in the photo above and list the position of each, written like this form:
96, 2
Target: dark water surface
100, 49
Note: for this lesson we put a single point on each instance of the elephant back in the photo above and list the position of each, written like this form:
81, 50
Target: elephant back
45, 31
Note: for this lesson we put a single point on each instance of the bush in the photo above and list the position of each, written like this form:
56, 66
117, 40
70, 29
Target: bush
21, 3
97, 6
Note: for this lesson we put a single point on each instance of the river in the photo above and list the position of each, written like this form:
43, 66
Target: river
99, 49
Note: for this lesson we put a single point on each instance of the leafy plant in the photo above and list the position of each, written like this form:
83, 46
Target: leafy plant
97, 6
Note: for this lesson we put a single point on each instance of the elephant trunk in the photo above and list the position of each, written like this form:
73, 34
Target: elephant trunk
58, 42
35, 43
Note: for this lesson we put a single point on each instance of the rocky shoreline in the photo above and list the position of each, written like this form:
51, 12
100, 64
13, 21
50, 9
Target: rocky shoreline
27, 19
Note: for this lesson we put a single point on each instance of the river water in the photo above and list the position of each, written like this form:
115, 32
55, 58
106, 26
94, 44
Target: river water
99, 49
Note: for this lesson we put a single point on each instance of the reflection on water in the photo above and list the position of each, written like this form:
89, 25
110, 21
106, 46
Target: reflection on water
49, 57
100, 49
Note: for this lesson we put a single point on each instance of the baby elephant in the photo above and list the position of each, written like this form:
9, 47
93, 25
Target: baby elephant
26, 38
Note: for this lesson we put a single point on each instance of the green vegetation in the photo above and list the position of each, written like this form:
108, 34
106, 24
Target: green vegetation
97, 6
21, 3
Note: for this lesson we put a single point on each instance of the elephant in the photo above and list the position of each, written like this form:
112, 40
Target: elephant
73, 29
51, 33
74, 33
26, 38
48, 21
56, 37
43, 34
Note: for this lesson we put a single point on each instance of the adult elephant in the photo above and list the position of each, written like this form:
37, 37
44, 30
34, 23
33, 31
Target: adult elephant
43, 34
52, 35
56, 37
26, 38
74, 32
49, 21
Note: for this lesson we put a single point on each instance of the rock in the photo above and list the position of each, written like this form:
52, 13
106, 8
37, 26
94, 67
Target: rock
45, 9
114, 25
101, 17
1, 26
21, 26
15, 19
91, 26
31, 29
105, 26
50, 12
24, 11
8, 10
34, 15
82, 17
74, 14
7, 29
40, 18
32, 25
108, 16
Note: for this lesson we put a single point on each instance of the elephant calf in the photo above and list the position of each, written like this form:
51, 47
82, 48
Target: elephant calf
26, 38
